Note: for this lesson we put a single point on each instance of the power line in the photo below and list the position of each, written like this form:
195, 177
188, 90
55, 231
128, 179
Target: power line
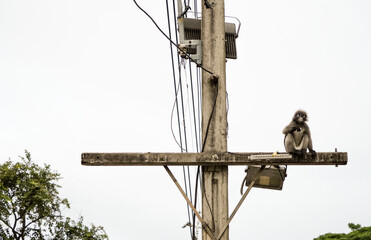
178, 86
193, 106
174, 78
186, 173
188, 56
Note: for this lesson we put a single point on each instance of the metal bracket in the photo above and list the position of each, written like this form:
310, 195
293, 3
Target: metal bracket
189, 44
204, 224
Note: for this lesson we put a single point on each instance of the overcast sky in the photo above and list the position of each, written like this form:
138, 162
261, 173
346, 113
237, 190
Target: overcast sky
95, 76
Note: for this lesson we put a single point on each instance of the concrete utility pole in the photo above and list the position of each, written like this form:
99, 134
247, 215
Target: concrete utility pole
214, 178
214, 159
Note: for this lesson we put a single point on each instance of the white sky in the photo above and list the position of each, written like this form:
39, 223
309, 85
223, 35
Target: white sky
95, 76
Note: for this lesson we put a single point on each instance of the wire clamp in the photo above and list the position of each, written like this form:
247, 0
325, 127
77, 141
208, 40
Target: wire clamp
209, 5
214, 79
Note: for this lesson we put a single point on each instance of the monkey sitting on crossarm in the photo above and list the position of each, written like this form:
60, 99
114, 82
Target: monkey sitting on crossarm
297, 135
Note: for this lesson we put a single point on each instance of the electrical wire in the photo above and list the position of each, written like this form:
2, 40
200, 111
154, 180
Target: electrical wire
171, 121
188, 55
186, 179
183, 114
193, 105
190, 113
176, 89
200, 145
175, 85
209, 121
180, 80
202, 150
198, 180
199, 100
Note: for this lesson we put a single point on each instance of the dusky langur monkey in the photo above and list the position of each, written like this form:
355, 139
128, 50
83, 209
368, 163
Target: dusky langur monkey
297, 135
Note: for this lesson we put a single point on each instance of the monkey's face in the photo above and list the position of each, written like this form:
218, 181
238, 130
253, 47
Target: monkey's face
300, 116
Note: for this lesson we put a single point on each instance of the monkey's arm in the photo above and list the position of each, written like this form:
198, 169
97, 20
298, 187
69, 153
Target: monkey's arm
307, 130
310, 144
310, 148
290, 128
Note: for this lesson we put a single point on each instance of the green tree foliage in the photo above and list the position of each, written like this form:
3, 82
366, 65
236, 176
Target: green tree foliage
357, 233
30, 206
69, 229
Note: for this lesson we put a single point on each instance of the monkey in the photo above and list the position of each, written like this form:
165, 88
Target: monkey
297, 135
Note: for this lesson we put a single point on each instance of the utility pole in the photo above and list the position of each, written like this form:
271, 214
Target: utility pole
214, 158
214, 135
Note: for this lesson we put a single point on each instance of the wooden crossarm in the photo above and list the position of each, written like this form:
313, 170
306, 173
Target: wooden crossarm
209, 159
